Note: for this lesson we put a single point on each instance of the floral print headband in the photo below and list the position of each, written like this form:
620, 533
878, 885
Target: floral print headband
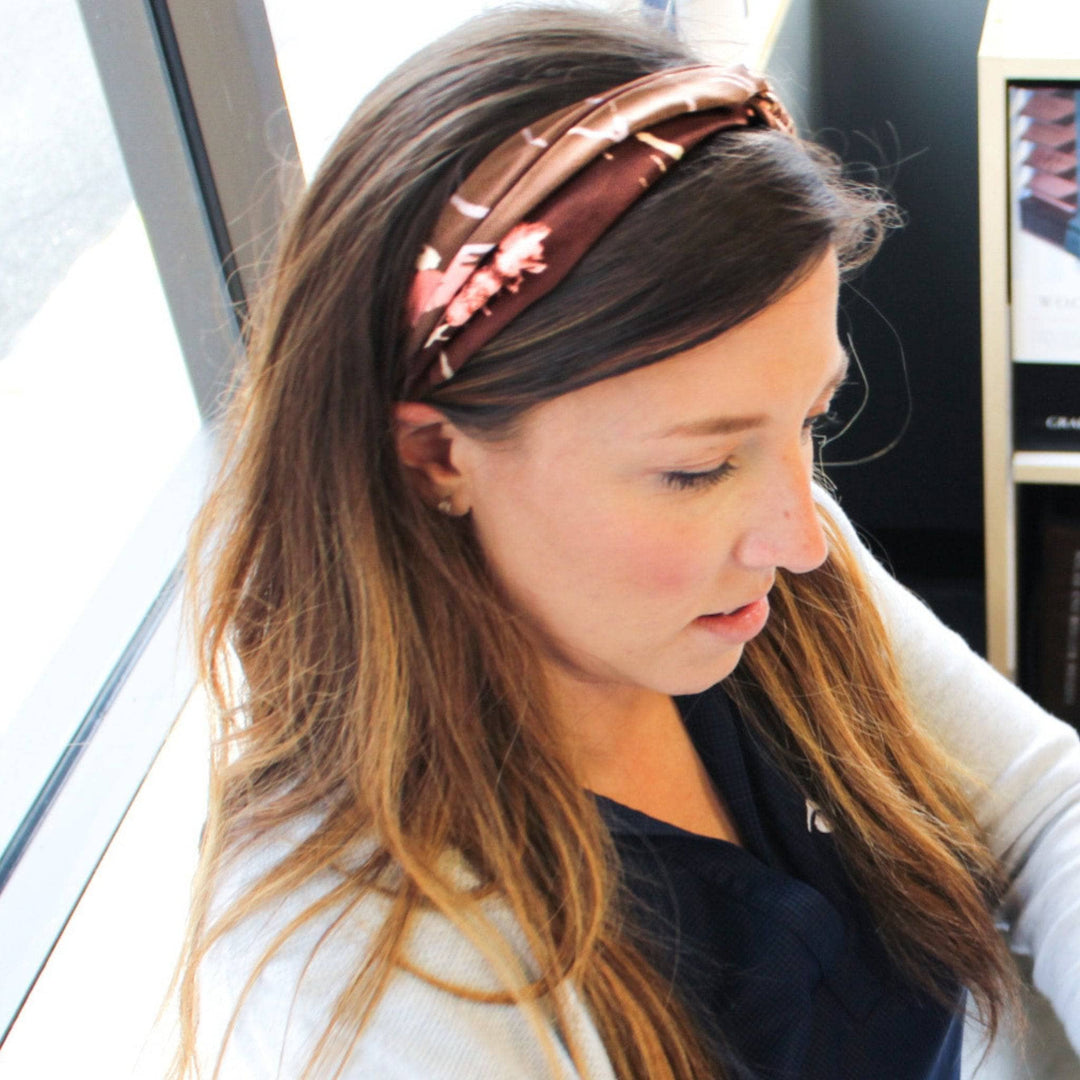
533, 207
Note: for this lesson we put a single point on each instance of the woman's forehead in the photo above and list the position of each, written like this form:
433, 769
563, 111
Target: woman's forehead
789, 352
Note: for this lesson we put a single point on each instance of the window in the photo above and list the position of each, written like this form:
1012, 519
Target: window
331, 54
96, 407
125, 223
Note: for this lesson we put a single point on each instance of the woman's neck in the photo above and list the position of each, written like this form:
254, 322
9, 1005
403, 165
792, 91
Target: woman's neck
629, 744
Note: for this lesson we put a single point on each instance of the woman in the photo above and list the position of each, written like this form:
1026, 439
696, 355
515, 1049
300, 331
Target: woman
566, 730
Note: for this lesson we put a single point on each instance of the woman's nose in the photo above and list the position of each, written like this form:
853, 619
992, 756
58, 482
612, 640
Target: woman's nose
786, 530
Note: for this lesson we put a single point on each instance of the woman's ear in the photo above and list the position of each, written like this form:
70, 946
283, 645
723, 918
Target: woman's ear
425, 442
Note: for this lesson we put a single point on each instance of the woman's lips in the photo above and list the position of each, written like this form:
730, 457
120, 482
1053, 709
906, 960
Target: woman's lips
740, 625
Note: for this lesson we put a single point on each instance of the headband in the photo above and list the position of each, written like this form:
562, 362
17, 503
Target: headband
535, 205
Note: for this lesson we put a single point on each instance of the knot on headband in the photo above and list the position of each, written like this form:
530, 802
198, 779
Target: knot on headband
535, 205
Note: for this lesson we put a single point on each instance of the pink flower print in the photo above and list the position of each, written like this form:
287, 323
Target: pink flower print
521, 250
424, 283
433, 288
473, 297
461, 267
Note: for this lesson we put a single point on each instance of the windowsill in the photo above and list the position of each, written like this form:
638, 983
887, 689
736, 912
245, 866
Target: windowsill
93, 1009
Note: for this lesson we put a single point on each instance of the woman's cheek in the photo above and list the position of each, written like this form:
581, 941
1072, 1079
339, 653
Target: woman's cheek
660, 561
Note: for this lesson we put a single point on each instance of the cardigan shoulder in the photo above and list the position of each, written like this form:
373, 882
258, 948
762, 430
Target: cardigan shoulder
419, 1031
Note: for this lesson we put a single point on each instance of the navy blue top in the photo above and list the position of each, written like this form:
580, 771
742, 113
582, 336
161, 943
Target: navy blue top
769, 944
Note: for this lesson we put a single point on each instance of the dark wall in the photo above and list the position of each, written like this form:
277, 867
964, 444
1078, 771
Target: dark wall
897, 89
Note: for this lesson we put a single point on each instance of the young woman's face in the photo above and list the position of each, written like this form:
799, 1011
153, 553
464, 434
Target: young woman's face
640, 521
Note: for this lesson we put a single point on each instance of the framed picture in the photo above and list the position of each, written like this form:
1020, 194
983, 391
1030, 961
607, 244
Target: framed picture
1045, 240
1044, 265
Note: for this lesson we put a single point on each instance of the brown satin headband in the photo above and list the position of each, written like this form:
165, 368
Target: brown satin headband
536, 204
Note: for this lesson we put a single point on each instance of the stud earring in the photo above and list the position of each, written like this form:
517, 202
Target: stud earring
446, 506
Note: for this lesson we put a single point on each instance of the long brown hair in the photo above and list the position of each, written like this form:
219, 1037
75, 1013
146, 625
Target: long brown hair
369, 674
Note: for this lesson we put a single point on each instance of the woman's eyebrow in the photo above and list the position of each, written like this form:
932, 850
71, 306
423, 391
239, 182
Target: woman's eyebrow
713, 425
727, 425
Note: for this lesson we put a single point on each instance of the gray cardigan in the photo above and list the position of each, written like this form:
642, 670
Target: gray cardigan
1025, 769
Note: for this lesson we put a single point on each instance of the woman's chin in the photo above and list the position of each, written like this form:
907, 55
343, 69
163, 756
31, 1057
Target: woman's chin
706, 675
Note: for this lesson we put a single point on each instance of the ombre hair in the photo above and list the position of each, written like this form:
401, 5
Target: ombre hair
369, 675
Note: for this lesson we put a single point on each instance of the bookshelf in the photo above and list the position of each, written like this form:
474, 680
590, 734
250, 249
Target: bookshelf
1023, 41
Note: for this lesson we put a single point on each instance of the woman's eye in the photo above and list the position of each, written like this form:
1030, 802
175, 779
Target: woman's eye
684, 481
822, 426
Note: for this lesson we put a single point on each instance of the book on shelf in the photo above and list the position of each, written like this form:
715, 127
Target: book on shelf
1054, 637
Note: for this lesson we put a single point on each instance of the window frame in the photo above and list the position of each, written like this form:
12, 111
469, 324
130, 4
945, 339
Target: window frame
199, 114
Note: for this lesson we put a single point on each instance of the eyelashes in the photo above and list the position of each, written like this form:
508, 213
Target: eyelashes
820, 428
686, 481
824, 426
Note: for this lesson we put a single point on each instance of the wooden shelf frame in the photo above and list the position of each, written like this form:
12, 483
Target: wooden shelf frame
1013, 49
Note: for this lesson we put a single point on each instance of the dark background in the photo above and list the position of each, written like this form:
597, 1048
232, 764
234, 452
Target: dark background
912, 123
